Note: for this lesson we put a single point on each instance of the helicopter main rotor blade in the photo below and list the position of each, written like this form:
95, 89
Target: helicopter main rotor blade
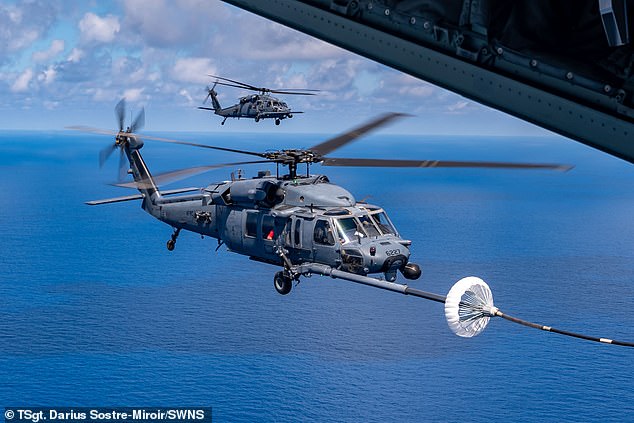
343, 139
177, 175
296, 89
289, 91
193, 144
139, 121
119, 110
237, 86
90, 129
352, 162
293, 92
243, 85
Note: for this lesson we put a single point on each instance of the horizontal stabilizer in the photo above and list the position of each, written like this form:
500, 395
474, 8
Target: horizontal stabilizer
115, 200
138, 196
206, 108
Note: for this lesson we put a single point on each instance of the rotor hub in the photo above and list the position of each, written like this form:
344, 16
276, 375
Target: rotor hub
293, 156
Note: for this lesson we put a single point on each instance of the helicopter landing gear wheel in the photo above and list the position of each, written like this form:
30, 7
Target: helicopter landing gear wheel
257, 118
277, 121
171, 244
283, 283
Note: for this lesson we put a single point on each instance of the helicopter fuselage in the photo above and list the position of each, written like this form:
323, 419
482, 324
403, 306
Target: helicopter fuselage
255, 106
308, 219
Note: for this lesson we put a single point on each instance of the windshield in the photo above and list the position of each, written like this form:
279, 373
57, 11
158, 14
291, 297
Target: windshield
383, 222
369, 225
348, 229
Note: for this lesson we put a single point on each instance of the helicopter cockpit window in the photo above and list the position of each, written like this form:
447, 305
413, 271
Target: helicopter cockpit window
323, 233
369, 226
349, 229
384, 224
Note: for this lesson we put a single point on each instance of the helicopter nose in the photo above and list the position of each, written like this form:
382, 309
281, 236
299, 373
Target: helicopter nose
387, 257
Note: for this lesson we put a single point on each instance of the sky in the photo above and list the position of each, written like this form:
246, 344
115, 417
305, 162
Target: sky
66, 63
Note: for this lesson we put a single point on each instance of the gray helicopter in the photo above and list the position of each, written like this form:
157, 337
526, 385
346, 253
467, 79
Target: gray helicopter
303, 223
255, 106
300, 222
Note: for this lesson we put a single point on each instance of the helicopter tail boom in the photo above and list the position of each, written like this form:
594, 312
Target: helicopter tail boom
142, 176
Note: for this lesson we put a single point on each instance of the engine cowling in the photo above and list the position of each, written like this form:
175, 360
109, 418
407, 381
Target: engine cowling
260, 193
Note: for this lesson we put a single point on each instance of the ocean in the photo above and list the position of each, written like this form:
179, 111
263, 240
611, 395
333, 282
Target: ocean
96, 312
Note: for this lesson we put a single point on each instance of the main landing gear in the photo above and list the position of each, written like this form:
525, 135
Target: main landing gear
283, 282
277, 121
171, 244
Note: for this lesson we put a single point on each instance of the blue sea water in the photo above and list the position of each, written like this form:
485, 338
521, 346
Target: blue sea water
95, 310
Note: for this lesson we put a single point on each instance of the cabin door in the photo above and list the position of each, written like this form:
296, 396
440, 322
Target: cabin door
325, 247
297, 243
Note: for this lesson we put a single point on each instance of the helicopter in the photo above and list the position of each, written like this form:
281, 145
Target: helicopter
301, 223
255, 106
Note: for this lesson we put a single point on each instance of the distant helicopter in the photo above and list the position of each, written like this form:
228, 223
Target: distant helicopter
301, 223
255, 106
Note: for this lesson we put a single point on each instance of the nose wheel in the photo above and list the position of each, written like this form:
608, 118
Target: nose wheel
277, 121
171, 244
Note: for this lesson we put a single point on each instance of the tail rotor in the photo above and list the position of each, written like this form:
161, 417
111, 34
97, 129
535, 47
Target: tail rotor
211, 93
123, 137
139, 122
119, 111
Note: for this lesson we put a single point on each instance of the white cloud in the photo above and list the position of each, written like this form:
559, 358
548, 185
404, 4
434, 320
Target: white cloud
263, 40
173, 23
187, 96
133, 94
193, 69
417, 91
75, 55
24, 39
57, 46
15, 15
22, 24
458, 106
100, 94
95, 28
47, 76
51, 105
21, 83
